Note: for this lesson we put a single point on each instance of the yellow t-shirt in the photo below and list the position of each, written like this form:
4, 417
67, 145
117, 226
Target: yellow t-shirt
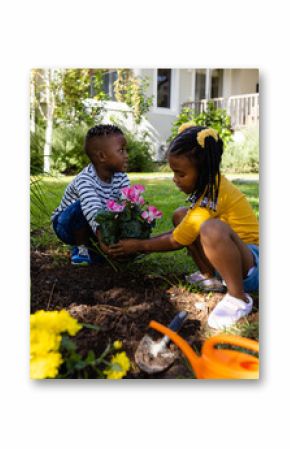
233, 208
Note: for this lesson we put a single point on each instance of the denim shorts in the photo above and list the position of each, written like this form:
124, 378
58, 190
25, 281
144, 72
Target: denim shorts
71, 219
251, 282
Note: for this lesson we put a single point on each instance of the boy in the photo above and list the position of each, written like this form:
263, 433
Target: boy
74, 219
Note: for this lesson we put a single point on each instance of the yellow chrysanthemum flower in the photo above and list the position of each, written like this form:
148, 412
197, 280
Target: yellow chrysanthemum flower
202, 135
117, 344
45, 366
185, 126
120, 365
42, 341
69, 323
55, 321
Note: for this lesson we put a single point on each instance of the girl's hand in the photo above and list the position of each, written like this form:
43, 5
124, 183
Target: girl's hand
104, 247
124, 247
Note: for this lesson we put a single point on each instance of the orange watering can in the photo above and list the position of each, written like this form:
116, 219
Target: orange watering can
218, 363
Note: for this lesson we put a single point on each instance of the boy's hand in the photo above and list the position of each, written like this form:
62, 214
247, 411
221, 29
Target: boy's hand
124, 247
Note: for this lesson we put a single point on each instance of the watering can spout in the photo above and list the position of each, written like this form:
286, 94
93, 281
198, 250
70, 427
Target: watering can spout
194, 360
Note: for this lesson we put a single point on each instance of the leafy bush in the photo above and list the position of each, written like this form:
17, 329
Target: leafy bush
68, 156
139, 152
36, 151
212, 117
139, 147
243, 156
186, 115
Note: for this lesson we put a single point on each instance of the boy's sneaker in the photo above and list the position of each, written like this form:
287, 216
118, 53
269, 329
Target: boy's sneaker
205, 284
229, 310
80, 256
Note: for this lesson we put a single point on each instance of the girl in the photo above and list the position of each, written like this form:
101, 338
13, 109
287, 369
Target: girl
219, 229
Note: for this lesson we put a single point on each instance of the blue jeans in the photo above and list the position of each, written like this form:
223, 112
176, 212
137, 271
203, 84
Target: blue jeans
251, 282
70, 220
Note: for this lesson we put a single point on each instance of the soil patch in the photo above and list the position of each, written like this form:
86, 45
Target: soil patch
121, 303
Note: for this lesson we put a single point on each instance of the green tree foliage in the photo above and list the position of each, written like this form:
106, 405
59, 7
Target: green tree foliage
75, 86
132, 91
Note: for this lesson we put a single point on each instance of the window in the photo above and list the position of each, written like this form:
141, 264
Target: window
109, 79
108, 85
164, 88
200, 84
216, 83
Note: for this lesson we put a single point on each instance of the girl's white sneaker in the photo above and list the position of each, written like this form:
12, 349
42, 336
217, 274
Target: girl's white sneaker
229, 310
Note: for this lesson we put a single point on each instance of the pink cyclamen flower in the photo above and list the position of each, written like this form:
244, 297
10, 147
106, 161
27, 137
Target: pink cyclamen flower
139, 188
115, 207
151, 214
133, 194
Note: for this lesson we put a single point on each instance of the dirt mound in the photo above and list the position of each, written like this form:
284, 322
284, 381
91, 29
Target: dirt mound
121, 303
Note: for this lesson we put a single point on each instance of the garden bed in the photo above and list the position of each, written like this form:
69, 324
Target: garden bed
121, 303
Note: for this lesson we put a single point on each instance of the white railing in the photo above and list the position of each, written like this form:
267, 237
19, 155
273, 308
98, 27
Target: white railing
243, 109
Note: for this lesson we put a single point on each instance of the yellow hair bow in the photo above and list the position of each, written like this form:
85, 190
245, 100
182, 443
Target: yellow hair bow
185, 126
202, 135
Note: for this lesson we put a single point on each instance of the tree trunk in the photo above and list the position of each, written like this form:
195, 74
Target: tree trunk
48, 76
32, 101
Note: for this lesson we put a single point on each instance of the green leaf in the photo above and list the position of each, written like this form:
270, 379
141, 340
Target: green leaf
68, 344
91, 326
80, 365
91, 358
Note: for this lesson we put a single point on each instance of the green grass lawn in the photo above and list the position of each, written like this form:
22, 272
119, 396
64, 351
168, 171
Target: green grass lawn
161, 192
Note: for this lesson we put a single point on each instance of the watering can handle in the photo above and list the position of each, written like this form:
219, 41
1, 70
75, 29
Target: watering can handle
242, 342
208, 349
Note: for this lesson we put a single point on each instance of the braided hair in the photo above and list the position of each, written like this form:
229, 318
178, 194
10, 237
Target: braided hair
204, 147
99, 131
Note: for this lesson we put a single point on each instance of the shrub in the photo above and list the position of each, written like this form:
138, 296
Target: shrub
68, 156
139, 152
243, 156
212, 117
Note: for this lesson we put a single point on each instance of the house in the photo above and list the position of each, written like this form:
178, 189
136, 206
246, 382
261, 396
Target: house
236, 90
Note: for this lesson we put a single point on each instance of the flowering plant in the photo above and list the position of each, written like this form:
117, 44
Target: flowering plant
53, 354
128, 217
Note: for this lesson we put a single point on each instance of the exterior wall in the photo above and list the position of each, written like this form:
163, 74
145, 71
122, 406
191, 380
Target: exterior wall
240, 81
185, 86
162, 122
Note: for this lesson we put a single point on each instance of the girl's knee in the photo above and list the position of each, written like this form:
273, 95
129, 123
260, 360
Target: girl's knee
178, 215
213, 230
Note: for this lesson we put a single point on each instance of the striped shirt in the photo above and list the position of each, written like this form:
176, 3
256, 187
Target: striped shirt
92, 192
